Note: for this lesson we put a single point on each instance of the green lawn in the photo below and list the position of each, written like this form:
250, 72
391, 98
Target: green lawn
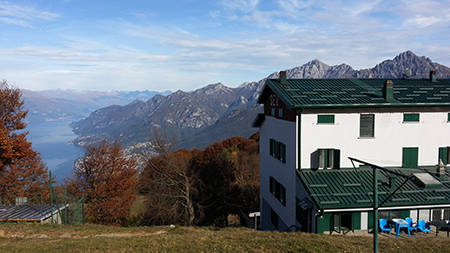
93, 238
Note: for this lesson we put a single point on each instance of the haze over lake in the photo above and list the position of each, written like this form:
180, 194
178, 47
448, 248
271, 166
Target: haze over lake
50, 140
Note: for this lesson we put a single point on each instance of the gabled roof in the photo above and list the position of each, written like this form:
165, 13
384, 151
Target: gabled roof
320, 93
28, 212
352, 188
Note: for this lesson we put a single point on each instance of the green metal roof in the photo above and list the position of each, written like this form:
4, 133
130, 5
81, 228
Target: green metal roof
352, 188
316, 93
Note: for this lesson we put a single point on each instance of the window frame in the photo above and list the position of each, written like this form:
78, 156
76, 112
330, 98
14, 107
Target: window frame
408, 154
274, 217
444, 155
277, 189
326, 119
329, 158
411, 117
278, 150
367, 125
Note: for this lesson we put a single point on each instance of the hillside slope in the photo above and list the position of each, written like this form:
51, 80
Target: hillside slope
217, 112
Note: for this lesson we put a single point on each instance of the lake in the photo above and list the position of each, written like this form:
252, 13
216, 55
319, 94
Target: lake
50, 140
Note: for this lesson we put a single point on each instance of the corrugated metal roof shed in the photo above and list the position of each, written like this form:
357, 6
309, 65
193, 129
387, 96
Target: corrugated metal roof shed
352, 188
28, 212
316, 93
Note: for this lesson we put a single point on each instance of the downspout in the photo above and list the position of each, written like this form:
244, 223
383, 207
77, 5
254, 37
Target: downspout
299, 144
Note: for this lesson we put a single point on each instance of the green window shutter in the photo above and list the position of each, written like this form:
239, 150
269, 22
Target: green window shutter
410, 157
411, 117
336, 159
356, 221
448, 116
272, 185
325, 119
443, 155
283, 194
367, 125
283, 153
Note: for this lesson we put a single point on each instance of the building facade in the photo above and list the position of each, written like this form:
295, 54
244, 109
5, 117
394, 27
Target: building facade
309, 129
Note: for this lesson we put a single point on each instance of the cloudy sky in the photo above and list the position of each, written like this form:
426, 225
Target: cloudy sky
187, 44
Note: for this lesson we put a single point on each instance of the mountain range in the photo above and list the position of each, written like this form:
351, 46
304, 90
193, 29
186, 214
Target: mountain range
66, 105
216, 112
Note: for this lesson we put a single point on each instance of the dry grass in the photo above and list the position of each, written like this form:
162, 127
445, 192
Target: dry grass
93, 238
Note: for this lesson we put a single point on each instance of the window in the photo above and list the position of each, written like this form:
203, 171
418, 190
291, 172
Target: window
280, 113
278, 150
410, 157
342, 222
274, 218
329, 158
440, 214
389, 215
410, 117
325, 119
278, 190
367, 125
272, 112
444, 154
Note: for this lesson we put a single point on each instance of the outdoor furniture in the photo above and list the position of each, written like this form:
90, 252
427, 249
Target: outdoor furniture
411, 225
440, 224
422, 226
401, 223
384, 226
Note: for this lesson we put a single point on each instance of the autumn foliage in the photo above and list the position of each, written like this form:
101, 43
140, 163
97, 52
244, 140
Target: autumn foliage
106, 178
22, 171
201, 187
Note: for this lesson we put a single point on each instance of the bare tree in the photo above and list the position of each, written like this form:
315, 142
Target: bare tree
170, 183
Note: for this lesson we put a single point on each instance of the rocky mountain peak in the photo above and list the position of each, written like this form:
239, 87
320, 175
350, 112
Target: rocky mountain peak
201, 116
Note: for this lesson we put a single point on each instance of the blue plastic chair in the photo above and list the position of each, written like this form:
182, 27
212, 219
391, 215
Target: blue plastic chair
422, 226
384, 226
411, 225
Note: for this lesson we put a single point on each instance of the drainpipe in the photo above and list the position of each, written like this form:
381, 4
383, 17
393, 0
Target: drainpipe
299, 138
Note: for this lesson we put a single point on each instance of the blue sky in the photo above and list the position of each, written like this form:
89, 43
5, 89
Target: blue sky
187, 44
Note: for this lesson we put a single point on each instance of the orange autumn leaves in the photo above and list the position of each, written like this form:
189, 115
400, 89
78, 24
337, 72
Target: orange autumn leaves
22, 171
106, 178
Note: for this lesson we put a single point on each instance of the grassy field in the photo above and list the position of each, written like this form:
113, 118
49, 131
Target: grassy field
94, 238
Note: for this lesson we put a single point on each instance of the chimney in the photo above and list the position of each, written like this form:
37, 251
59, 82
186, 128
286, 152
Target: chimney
283, 79
440, 172
388, 90
433, 76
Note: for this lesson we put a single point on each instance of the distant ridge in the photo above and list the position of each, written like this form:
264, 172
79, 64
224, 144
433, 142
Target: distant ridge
63, 105
216, 112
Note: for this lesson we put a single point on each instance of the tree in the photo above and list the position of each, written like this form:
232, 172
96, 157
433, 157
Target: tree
106, 178
22, 171
229, 171
170, 184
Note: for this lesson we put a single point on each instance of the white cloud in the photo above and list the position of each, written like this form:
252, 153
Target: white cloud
241, 5
16, 14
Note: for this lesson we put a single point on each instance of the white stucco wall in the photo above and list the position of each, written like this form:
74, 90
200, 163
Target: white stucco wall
385, 149
281, 131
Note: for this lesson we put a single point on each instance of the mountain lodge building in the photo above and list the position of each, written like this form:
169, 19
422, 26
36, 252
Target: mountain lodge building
309, 129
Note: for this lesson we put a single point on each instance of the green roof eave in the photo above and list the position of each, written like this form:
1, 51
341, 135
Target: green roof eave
386, 105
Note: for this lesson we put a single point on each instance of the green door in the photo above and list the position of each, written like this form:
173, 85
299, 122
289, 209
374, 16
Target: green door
410, 157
